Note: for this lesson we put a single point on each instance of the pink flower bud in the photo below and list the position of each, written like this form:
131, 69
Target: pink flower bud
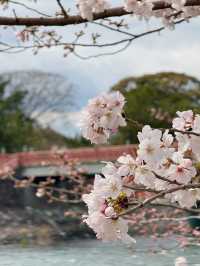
109, 211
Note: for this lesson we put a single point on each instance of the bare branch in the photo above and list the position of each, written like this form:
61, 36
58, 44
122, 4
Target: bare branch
64, 12
29, 8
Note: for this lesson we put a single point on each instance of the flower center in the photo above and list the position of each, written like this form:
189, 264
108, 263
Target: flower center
149, 149
179, 169
118, 204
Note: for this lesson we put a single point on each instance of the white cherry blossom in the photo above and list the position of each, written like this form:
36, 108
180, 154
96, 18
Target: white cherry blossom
178, 4
184, 121
150, 151
161, 159
143, 9
196, 125
182, 169
109, 169
88, 7
184, 142
184, 198
181, 261
149, 133
102, 117
144, 176
167, 139
127, 165
102, 217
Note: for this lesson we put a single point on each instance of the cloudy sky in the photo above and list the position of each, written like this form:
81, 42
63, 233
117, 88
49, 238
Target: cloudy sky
177, 50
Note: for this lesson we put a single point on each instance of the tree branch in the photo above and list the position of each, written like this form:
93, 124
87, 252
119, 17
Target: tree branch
64, 12
158, 196
77, 19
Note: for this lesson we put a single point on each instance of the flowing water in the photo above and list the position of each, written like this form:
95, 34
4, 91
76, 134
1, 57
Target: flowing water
95, 253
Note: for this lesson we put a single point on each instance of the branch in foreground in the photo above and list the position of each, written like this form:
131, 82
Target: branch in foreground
171, 130
158, 196
77, 19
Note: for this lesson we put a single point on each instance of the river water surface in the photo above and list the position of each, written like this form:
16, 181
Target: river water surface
95, 253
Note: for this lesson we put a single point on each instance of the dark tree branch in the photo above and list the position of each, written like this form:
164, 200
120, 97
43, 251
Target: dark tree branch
64, 12
77, 19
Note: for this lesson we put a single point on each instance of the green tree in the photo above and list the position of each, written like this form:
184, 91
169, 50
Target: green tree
154, 99
18, 132
15, 127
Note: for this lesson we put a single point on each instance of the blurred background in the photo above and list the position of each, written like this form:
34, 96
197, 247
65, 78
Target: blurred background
41, 98
42, 150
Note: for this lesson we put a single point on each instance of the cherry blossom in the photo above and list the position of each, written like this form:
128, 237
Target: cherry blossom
184, 121
144, 176
142, 9
105, 202
149, 133
163, 163
181, 170
150, 151
167, 139
154, 146
88, 7
102, 117
186, 198
181, 261
127, 165
178, 4
183, 198
196, 124
189, 122
184, 142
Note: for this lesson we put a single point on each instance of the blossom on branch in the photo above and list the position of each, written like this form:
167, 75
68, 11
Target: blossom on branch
102, 117
105, 202
166, 164
168, 10
88, 7
181, 170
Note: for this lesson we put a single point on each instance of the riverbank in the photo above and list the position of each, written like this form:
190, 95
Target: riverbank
47, 226
39, 226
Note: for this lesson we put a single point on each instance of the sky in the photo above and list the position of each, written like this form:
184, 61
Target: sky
177, 50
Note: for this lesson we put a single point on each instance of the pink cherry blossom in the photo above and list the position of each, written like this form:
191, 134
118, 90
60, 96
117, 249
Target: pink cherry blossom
161, 159
88, 7
144, 176
102, 217
102, 117
127, 165
184, 121
182, 170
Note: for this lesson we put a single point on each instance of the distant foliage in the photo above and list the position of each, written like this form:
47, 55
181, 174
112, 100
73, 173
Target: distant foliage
154, 99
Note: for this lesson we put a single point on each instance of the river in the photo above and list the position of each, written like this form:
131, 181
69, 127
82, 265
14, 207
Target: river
95, 253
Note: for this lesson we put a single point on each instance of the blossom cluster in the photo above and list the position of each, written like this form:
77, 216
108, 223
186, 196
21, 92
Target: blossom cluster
142, 9
88, 7
105, 203
166, 160
102, 117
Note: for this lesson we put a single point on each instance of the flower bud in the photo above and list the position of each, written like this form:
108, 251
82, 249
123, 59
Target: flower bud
109, 211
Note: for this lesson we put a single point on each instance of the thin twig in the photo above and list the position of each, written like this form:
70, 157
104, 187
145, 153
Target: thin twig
64, 12
159, 195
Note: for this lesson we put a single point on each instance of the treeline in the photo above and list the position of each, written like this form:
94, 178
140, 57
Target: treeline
154, 100
151, 99
18, 132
